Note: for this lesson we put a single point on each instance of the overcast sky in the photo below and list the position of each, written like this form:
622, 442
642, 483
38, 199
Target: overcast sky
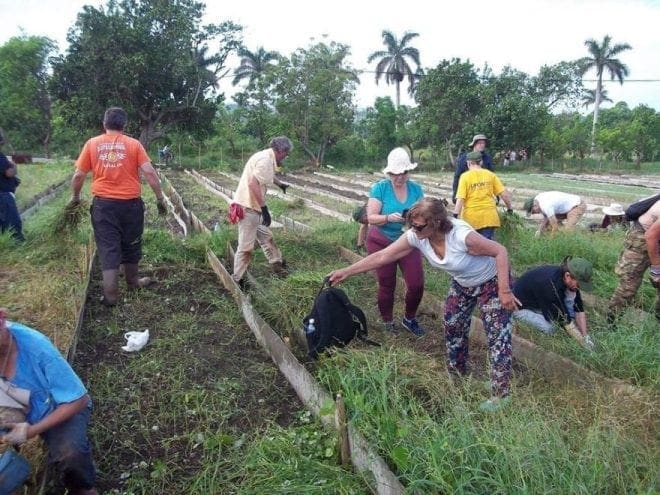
524, 34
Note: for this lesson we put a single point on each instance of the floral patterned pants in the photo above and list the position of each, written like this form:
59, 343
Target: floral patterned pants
459, 305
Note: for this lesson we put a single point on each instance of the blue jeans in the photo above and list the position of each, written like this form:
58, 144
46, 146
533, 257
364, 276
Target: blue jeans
487, 232
10, 219
71, 453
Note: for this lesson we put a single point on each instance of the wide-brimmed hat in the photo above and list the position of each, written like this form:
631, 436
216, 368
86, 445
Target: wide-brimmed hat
478, 137
581, 270
614, 210
398, 162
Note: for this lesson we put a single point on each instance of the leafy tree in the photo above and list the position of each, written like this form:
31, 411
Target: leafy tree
576, 135
511, 112
150, 57
603, 57
314, 96
393, 62
559, 84
630, 133
407, 130
254, 65
256, 100
380, 126
643, 132
256, 106
448, 99
25, 106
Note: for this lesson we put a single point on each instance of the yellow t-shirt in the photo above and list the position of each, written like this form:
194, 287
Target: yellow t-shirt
478, 188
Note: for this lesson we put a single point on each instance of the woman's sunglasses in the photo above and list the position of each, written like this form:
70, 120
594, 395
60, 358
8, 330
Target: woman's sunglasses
418, 228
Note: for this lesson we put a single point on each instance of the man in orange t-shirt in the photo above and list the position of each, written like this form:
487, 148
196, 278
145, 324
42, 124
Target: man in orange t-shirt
117, 213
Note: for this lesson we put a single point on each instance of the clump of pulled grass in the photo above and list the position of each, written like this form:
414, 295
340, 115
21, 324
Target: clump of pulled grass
68, 219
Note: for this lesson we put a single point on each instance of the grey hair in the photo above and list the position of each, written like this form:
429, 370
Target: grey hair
281, 143
115, 119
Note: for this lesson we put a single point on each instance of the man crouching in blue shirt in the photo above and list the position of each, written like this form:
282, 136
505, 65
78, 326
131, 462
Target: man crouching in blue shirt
55, 402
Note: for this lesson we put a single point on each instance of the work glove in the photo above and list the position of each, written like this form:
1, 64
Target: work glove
509, 211
162, 207
265, 216
572, 330
283, 186
17, 433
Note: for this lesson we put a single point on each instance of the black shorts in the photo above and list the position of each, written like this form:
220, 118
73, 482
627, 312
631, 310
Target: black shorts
118, 225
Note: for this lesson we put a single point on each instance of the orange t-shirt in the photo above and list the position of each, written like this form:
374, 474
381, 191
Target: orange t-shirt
114, 160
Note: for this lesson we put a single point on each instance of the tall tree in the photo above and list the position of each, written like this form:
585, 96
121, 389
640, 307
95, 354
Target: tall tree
511, 112
315, 96
25, 106
254, 64
393, 63
256, 101
450, 90
601, 57
559, 84
151, 57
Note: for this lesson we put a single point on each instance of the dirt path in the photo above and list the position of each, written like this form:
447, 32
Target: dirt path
202, 378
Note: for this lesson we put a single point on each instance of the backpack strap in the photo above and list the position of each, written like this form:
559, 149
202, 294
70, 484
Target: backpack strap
361, 334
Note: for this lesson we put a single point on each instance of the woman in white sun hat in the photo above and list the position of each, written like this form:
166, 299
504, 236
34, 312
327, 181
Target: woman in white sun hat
615, 218
389, 199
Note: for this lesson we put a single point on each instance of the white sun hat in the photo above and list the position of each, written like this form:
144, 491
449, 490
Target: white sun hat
614, 210
398, 162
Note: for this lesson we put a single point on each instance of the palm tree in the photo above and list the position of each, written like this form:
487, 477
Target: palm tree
589, 97
393, 61
603, 57
254, 65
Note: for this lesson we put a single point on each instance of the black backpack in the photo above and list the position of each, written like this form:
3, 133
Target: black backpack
636, 210
337, 321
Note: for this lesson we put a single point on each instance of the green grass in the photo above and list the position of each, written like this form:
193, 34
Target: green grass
434, 437
37, 177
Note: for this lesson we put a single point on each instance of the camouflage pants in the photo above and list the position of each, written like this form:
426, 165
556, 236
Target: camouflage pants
459, 305
633, 262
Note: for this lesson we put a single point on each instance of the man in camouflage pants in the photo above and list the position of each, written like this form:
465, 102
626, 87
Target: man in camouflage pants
641, 249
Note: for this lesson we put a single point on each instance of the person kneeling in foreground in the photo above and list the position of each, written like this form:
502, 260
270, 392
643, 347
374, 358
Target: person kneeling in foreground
480, 275
550, 295
56, 403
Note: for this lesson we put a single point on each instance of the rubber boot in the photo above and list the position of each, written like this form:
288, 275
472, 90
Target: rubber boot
132, 280
110, 287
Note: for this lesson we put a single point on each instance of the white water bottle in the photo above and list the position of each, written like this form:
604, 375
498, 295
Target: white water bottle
310, 327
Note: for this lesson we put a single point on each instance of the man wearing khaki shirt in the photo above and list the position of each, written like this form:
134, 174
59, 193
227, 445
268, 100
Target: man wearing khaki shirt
258, 174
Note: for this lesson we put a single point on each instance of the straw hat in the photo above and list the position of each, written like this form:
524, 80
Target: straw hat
398, 162
614, 210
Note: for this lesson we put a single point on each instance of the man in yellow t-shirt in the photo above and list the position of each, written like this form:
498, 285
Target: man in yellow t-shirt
475, 197
117, 212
